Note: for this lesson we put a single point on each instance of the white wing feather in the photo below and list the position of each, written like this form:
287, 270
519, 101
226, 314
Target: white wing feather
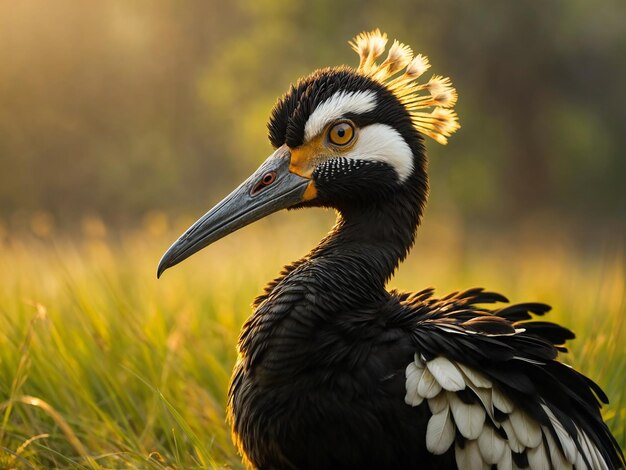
440, 432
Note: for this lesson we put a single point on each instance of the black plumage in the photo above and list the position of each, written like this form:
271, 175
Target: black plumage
322, 380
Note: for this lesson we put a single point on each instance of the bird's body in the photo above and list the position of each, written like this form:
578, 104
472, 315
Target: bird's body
336, 372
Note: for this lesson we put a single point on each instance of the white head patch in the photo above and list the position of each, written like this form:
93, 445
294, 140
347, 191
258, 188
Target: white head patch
336, 107
382, 143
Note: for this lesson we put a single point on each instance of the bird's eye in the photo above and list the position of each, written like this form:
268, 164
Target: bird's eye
341, 133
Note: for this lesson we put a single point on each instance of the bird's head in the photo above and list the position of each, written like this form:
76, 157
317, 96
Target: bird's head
343, 138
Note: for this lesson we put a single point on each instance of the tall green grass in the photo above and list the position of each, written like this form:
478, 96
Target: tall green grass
103, 366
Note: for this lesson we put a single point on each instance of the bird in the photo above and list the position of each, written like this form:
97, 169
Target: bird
334, 371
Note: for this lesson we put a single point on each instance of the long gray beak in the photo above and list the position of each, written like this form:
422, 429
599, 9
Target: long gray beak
270, 188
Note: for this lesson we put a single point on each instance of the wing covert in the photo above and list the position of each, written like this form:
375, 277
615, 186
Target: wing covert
496, 393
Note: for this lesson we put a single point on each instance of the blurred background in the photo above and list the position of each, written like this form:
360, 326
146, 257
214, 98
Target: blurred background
120, 113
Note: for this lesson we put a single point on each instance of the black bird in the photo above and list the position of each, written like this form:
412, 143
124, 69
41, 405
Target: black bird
336, 372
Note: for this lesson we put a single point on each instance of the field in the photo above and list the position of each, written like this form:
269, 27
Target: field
103, 366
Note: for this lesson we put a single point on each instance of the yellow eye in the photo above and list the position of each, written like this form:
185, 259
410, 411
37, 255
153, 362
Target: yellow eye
341, 133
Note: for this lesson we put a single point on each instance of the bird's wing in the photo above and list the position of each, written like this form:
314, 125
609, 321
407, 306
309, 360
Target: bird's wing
495, 389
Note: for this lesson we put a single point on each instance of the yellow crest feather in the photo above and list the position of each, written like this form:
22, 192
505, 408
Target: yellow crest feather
437, 95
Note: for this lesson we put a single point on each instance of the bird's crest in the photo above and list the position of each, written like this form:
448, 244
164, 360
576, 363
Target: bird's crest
429, 104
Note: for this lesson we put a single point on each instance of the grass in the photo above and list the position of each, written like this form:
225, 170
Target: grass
103, 366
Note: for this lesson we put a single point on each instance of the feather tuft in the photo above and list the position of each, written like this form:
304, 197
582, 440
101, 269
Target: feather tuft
417, 67
441, 122
369, 46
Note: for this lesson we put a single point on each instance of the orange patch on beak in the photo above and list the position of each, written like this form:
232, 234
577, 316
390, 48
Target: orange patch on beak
310, 192
305, 158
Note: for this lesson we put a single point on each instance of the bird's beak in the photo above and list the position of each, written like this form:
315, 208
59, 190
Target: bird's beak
270, 188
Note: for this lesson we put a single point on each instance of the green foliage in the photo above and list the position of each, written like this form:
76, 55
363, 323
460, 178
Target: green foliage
103, 366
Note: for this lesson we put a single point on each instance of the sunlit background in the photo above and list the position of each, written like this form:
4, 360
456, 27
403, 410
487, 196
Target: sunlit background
121, 121
116, 109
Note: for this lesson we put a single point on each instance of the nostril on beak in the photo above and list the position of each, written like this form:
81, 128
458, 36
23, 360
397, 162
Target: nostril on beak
268, 178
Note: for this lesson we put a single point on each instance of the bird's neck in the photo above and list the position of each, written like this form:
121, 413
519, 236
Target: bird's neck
345, 274
368, 241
